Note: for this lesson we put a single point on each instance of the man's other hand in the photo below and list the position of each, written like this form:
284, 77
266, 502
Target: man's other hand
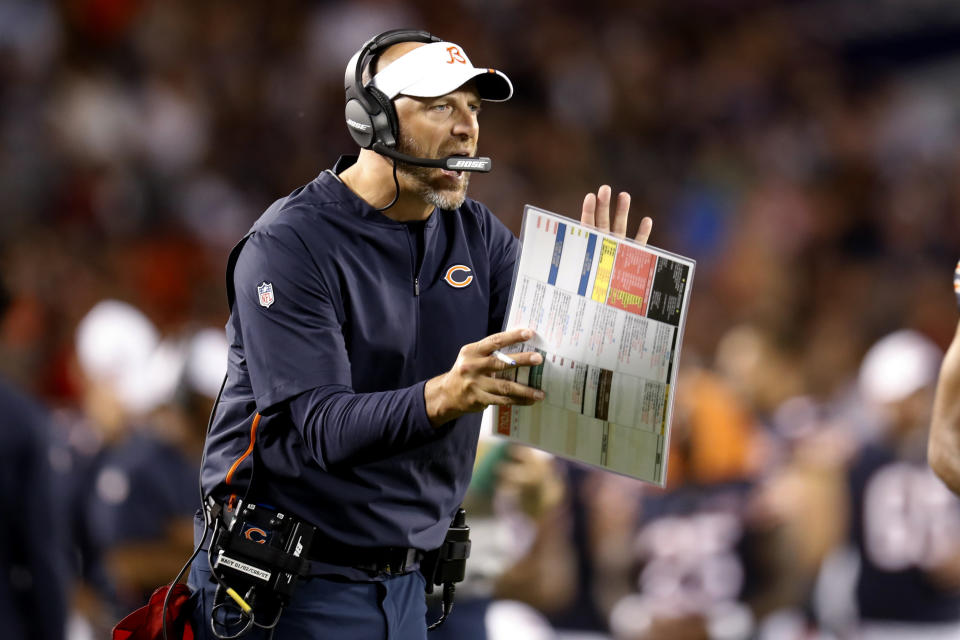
471, 384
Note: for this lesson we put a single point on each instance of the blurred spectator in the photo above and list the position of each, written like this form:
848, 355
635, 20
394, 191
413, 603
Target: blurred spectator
699, 550
113, 341
147, 484
33, 553
130, 472
905, 524
33, 591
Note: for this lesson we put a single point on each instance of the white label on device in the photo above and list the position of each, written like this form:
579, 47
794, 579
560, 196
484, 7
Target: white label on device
227, 561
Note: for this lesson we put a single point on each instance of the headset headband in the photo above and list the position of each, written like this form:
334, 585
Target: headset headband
371, 49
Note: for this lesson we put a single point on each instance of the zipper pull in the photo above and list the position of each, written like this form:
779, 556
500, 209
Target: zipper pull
416, 286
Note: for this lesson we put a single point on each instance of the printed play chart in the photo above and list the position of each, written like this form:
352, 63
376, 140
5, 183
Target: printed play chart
609, 315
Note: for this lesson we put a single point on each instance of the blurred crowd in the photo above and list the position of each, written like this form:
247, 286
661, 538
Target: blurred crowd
804, 152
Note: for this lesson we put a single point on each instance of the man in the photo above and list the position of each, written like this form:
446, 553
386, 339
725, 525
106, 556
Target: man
904, 523
33, 558
140, 503
944, 444
366, 309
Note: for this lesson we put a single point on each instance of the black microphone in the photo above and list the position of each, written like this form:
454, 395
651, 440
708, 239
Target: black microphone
452, 163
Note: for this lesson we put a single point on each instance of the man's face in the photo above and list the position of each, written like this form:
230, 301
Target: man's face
437, 128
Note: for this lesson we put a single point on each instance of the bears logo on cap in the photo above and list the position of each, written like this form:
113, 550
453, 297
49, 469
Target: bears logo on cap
455, 56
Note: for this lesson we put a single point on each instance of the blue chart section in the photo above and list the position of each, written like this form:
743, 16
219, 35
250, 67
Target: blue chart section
587, 265
557, 252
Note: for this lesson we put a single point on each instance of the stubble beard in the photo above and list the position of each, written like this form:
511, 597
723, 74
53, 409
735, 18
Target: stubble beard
421, 178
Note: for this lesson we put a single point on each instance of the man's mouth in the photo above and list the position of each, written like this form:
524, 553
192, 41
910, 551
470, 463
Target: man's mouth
456, 175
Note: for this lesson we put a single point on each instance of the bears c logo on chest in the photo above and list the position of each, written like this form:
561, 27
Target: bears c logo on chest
458, 276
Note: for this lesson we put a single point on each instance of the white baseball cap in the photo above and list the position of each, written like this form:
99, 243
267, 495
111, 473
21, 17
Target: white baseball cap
113, 340
898, 365
118, 346
436, 69
207, 361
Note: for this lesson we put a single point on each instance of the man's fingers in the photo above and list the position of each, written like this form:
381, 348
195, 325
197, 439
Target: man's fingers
643, 233
589, 210
596, 210
500, 340
619, 227
525, 359
503, 392
602, 215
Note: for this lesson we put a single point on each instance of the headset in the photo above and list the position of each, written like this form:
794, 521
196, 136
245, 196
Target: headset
370, 115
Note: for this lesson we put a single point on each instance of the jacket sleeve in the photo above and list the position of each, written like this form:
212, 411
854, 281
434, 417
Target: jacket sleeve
338, 424
296, 355
291, 329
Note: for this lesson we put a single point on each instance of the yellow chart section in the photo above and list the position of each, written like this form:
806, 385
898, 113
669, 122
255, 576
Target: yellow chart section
608, 251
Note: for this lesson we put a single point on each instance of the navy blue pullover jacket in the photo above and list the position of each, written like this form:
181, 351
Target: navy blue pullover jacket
333, 331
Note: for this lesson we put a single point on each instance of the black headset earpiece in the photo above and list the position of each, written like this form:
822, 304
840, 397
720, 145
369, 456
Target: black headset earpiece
371, 118
388, 131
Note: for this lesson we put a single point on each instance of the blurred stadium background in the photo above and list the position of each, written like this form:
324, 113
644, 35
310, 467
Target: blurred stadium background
804, 152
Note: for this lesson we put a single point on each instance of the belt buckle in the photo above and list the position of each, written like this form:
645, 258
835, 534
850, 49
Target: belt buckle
409, 557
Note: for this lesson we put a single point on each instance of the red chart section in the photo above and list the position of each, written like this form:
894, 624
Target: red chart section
631, 280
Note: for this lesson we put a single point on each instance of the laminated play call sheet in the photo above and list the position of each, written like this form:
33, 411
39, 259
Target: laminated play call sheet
609, 315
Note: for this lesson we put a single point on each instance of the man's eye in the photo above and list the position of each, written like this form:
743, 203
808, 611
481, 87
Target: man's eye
439, 107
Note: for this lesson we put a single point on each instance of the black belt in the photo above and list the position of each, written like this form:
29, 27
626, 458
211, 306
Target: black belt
390, 560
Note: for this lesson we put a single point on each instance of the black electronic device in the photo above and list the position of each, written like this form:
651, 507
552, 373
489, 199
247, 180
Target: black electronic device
447, 565
263, 547
257, 557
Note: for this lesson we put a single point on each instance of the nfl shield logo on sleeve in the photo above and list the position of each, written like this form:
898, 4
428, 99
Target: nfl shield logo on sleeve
265, 291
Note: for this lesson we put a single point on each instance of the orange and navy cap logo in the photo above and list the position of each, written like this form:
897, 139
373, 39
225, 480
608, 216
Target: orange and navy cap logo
455, 56
458, 276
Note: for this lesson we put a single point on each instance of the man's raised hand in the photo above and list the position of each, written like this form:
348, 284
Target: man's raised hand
596, 213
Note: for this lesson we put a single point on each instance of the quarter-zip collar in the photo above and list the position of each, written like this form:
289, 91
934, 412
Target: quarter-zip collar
331, 181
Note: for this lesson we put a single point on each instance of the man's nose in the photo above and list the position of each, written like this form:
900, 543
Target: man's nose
466, 124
